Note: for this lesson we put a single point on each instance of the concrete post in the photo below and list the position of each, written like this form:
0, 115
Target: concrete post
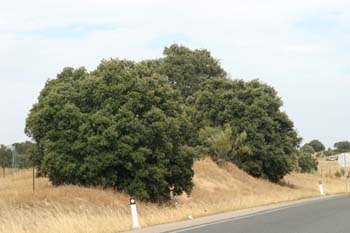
321, 188
135, 220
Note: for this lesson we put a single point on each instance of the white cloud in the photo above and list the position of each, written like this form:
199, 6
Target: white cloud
253, 39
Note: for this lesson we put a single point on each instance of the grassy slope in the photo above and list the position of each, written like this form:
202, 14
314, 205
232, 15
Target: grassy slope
75, 209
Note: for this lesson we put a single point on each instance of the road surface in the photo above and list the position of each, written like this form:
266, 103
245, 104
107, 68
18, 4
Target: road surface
330, 215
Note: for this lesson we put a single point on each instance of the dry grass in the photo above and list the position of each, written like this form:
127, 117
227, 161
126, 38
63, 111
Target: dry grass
84, 210
328, 168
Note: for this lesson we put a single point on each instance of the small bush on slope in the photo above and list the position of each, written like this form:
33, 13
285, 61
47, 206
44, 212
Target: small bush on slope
307, 163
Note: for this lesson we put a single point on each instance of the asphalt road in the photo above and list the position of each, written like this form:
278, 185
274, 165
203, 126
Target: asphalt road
322, 216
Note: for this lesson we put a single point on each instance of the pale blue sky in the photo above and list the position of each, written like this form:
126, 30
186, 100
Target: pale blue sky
72, 31
302, 48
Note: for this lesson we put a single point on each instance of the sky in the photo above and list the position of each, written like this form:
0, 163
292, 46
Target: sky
301, 48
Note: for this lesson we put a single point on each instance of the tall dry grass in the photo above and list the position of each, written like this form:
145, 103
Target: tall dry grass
328, 168
92, 210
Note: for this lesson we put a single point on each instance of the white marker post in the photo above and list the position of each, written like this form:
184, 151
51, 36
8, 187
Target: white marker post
321, 188
135, 220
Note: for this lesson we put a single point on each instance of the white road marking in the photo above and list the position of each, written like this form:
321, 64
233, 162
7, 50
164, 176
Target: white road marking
247, 216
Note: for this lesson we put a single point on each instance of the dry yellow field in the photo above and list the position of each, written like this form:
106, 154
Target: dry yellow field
92, 210
328, 168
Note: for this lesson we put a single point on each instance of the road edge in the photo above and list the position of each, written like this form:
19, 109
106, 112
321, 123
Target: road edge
184, 224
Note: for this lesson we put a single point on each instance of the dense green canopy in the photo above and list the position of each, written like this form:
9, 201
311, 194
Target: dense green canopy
307, 162
5, 156
307, 149
120, 125
254, 108
341, 147
317, 145
23, 154
186, 69
137, 127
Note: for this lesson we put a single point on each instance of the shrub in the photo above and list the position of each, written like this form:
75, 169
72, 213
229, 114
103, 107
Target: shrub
307, 149
317, 145
222, 144
338, 174
329, 152
307, 163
